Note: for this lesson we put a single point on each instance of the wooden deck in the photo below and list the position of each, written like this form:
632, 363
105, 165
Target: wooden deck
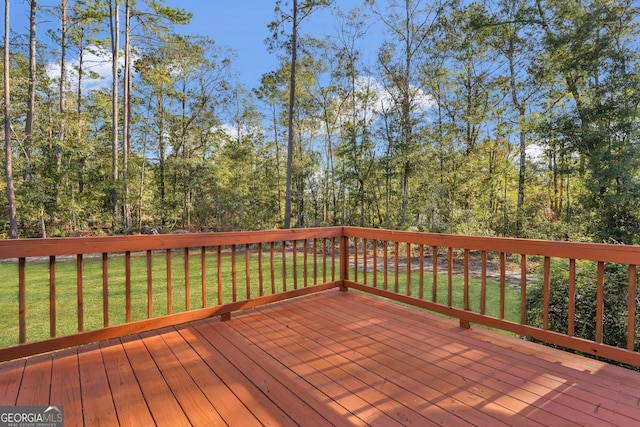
333, 358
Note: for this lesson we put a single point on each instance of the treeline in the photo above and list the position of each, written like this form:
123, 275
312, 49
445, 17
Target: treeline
515, 118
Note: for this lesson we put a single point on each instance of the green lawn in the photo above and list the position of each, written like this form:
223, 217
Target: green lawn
37, 294
492, 305
37, 289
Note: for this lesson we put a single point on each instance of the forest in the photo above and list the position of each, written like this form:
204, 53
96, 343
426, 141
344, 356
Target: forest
494, 117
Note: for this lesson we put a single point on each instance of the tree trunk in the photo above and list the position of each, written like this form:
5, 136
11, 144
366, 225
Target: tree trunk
32, 84
11, 197
519, 106
79, 108
292, 100
126, 117
63, 86
114, 21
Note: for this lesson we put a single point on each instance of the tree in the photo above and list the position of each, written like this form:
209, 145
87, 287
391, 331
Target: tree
31, 103
114, 27
591, 47
412, 24
299, 11
508, 32
8, 152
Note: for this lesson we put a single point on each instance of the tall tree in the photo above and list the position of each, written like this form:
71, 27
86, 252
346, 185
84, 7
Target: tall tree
298, 12
410, 24
507, 29
31, 102
114, 27
8, 152
126, 116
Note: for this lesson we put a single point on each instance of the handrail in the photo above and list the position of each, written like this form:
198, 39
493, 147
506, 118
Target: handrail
374, 253
183, 277
278, 264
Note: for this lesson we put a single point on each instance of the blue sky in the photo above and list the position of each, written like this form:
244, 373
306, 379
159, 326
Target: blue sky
242, 26
237, 24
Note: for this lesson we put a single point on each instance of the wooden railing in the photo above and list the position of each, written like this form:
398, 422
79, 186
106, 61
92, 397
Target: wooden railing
56, 293
430, 270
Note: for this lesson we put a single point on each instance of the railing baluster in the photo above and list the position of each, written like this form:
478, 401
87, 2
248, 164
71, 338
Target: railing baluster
80, 286
355, 259
22, 301
187, 281
305, 262
466, 280
421, 282
284, 266
523, 289
273, 268
324, 260
333, 259
450, 276
483, 282
375, 263
52, 296
600, 303
105, 289
503, 283
385, 261
315, 261
364, 259
396, 260
203, 275
247, 270
127, 285
169, 284
219, 271
295, 263
434, 269
546, 280
572, 297
234, 272
408, 268
149, 284
631, 308
260, 271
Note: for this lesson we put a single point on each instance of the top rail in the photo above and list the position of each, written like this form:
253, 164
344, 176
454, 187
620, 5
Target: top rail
623, 254
26, 248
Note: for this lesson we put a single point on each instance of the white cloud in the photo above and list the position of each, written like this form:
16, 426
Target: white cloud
384, 97
96, 67
535, 152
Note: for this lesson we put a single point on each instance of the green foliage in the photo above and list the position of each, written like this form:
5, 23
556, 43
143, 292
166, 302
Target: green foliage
614, 302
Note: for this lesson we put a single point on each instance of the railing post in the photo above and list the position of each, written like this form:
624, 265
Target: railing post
344, 262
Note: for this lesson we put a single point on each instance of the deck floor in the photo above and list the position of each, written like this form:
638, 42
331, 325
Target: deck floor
334, 358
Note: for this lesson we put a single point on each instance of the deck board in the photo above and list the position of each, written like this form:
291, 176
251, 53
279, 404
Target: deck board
333, 358
10, 380
65, 385
128, 399
97, 404
158, 396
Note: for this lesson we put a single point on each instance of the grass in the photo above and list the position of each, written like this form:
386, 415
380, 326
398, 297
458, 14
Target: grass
492, 305
37, 288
